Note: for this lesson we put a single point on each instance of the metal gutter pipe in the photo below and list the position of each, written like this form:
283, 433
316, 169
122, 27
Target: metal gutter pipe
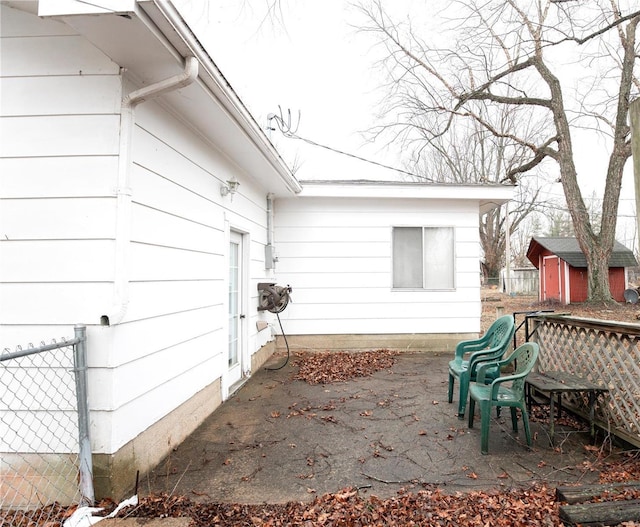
123, 190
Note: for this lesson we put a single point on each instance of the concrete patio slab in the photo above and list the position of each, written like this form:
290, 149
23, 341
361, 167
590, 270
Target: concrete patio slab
279, 439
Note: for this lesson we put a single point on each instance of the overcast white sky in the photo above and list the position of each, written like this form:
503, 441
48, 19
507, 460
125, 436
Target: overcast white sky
310, 58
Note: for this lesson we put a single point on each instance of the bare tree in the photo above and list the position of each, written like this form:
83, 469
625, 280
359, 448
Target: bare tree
559, 223
516, 54
470, 154
521, 239
493, 229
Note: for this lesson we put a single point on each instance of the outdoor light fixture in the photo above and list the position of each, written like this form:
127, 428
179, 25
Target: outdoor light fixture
229, 188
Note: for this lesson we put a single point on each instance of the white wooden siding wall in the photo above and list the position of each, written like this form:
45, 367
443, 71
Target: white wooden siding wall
194, 170
60, 129
336, 254
174, 331
58, 168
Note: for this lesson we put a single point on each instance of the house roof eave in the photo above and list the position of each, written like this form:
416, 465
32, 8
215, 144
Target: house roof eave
150, 41
488, 196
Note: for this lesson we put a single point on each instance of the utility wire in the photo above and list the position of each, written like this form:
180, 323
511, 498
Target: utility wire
354, 156
286, 129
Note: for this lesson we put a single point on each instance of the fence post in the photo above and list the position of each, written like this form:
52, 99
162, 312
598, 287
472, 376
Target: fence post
85, 462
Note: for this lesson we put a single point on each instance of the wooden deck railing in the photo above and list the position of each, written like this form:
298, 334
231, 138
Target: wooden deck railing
606, 353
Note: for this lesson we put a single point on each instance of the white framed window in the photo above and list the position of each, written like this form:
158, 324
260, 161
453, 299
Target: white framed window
423, 258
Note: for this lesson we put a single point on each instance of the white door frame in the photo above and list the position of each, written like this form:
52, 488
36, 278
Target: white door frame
235, 313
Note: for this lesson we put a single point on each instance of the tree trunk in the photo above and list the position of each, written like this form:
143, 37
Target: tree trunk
597, 249
493, 243
598, 273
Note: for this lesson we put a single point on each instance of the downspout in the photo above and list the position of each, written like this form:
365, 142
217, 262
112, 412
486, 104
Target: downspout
270, 257
123, 190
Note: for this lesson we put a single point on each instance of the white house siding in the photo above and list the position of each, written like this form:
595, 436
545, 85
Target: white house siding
59, 142
336, 254
174, 331
59, 149
58, 160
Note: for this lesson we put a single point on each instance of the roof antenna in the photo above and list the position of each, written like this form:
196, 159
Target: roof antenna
285, 126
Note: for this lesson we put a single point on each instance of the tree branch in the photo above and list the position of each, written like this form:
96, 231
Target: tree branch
601, 31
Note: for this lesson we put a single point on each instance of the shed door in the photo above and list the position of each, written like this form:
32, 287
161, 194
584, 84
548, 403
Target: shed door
551, 278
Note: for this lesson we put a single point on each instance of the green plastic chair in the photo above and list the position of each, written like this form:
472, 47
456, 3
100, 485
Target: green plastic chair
499, 394
490, 347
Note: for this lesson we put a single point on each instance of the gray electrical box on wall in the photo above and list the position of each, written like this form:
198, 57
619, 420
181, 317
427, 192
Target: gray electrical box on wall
270, 257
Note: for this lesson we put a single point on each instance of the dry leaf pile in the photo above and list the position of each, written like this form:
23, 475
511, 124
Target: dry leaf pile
532, 507
338, 366
49, 516
535, 507
627, 469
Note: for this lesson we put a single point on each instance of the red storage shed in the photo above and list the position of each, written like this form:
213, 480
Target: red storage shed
562, 269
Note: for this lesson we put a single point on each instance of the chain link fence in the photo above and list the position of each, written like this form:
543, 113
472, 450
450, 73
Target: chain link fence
45, 456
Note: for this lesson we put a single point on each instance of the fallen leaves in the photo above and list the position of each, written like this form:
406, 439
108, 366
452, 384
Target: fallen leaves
338, 366
626, 469
45, 516
535, 506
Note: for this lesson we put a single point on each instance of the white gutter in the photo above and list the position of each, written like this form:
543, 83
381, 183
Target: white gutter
123, 190
181, 80
249, 125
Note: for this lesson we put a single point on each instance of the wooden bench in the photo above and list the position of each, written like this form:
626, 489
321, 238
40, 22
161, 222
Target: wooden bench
597, 513
555, 383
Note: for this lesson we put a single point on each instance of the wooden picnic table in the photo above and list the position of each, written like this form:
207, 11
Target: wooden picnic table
555, 383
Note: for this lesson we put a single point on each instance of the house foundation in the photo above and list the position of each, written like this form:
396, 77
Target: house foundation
114, 475
402, 342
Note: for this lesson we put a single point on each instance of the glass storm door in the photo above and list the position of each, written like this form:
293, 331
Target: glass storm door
235, 309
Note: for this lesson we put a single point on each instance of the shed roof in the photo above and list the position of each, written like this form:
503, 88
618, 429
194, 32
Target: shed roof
568, 249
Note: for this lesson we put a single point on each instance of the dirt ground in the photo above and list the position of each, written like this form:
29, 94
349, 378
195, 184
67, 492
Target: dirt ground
494, 300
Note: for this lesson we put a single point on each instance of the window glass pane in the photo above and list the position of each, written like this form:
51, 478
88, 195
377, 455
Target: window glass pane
407, 257
234, 302
439, 258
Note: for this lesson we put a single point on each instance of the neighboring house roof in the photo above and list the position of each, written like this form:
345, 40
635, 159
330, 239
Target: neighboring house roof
567, 249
